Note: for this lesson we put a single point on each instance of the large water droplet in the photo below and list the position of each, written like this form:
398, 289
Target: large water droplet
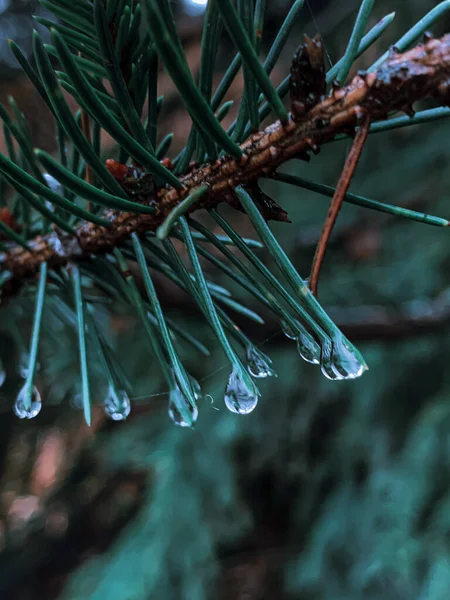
176, 398
35, 404
326, 363
308, 348
259, 363
240, 396
288, 331
347, 360
117, 405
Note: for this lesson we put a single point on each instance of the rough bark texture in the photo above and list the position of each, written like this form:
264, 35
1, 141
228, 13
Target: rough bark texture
403, 79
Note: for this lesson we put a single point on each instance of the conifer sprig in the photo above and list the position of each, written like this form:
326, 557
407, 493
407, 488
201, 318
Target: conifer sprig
88, 222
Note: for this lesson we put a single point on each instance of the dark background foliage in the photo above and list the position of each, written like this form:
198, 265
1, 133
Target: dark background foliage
328, 490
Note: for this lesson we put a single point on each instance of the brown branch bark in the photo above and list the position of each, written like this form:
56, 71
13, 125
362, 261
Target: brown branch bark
405, 78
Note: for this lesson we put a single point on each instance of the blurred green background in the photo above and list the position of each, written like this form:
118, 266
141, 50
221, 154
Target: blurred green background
328, 490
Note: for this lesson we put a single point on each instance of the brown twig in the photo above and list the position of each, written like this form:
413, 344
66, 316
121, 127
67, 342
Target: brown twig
336, 202
405, 78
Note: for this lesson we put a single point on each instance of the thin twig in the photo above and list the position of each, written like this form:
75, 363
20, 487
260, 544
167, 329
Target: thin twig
336, 202
402, 80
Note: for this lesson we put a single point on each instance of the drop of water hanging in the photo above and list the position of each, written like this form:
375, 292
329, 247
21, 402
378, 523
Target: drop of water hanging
326, 364
330, 373
176, 397
308, 348
117, 405
259, 363
35, 406
347, 360
239, 397
288, 331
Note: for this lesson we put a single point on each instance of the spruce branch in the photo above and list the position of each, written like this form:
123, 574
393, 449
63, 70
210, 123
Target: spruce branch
114, 223
403, 79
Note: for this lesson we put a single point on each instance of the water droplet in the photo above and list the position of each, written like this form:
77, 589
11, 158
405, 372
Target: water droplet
35, 403
186, 417
117, 405
259, 363
240, 397
288, 331
326, 364
308, 348
347, 360
53, 184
